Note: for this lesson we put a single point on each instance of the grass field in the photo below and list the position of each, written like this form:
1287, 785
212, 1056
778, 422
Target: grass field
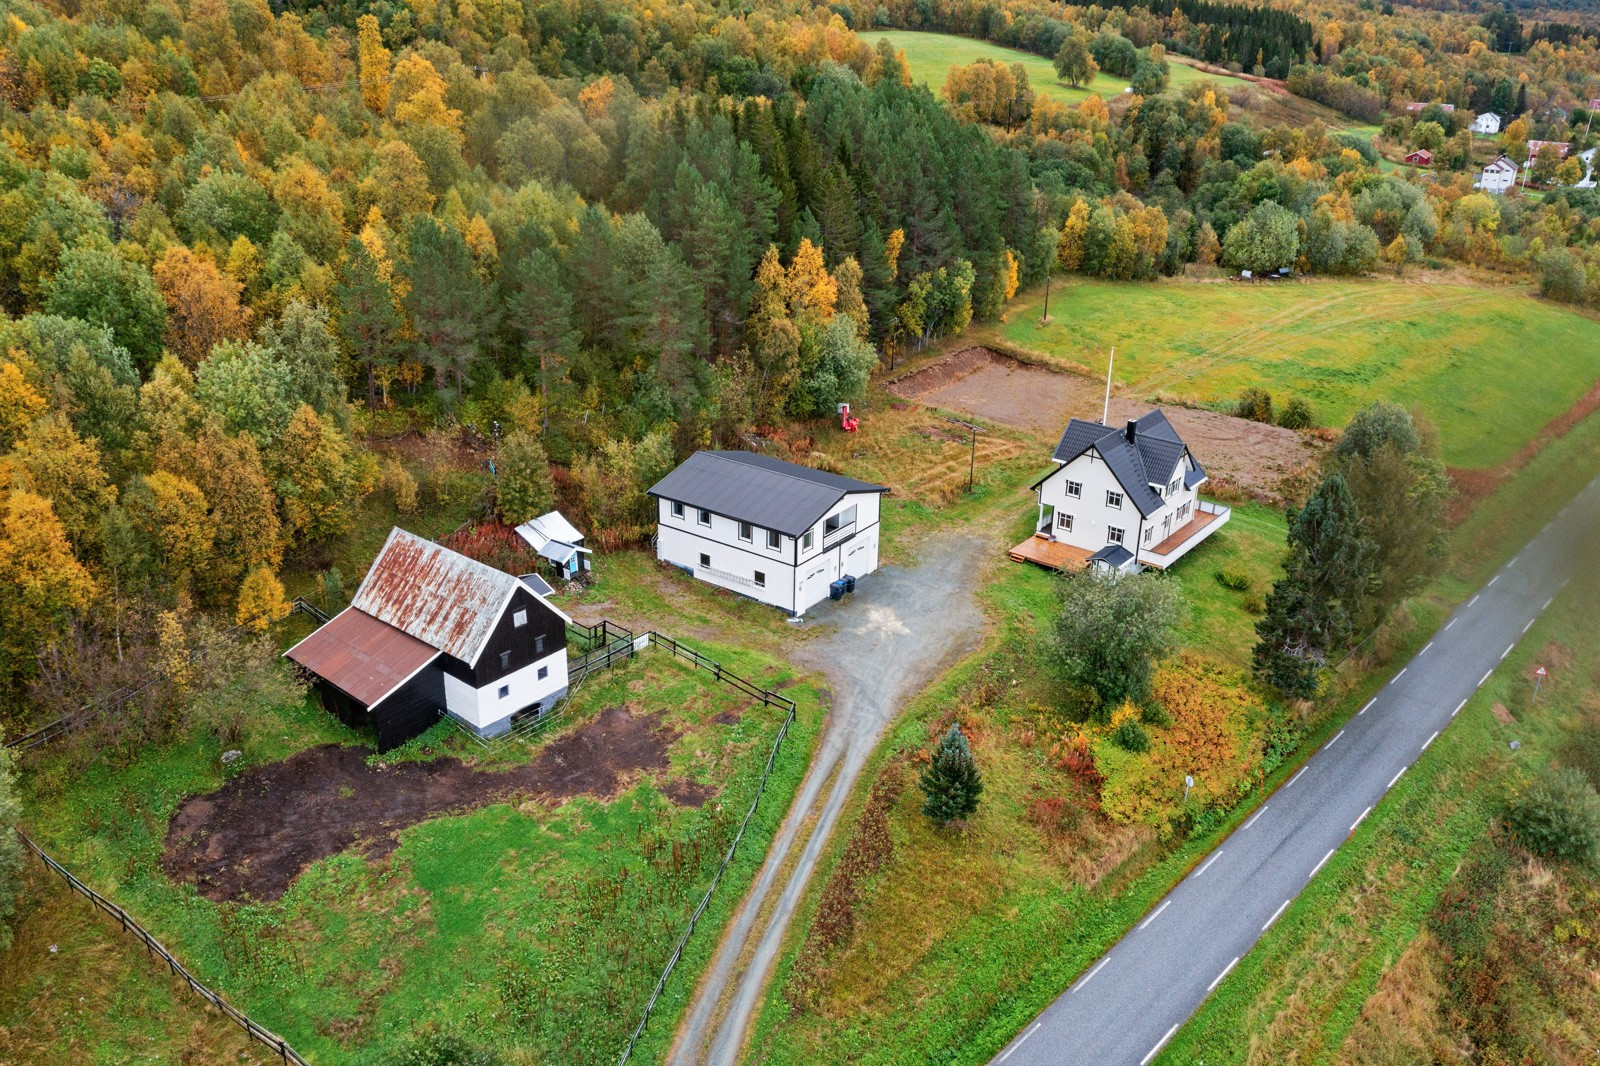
931, 55
540, 926
1489, 366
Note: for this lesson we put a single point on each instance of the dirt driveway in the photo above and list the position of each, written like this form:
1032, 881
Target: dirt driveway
978, 381
326, 799
903, 626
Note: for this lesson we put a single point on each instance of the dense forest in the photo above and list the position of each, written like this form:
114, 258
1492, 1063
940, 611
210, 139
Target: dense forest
237, 243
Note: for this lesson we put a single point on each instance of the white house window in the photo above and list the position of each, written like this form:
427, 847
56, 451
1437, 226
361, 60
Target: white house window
703, 516
761, 580
843, 519
1172, 489
544, 672
774, 540
1075, 489
677, 509
811, 538
746, 533
505, 659
505, 690
1147, 532
705, 561
519, 619
1114, 499
1064, 521
1113, 535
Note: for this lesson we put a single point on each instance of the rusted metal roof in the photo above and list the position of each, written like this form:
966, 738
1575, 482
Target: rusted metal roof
439, 596
362, 655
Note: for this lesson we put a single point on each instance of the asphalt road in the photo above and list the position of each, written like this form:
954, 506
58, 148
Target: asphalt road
901, 627
1125, 1007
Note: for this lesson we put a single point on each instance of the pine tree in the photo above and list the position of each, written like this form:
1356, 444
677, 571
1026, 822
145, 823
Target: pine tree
951, 783
447, 301
541, 310
368, 323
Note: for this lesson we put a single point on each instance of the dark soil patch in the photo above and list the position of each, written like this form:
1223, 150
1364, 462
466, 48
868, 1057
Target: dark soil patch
253, 837
686, 793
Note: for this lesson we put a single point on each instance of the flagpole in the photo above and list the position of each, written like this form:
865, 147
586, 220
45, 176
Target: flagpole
1105, 414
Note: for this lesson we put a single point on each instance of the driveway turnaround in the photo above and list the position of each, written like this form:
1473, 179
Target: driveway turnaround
892, 636
1125, 1007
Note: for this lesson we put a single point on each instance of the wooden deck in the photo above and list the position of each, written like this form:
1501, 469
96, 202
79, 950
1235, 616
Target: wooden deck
1050, 554
1191, 528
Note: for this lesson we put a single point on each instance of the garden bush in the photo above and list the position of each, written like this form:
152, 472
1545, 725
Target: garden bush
1153, 713
1256, 405
1130, 735
1557, 816
1296, 414
1232, 579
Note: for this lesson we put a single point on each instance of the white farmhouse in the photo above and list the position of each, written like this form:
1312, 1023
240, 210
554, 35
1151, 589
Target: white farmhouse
1120, 498
1488, 122
1497, 177
771, 530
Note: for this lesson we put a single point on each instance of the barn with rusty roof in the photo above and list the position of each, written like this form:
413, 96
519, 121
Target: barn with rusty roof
432, 632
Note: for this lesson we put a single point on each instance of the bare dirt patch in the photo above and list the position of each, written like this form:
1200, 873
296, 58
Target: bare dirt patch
1473, 485
255, 835
1252, 455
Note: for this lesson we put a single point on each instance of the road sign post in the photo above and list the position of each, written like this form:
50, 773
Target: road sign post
1188, 783
1538, 679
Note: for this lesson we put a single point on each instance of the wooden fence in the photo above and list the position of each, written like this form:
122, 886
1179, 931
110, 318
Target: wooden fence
279, 1046
771, 699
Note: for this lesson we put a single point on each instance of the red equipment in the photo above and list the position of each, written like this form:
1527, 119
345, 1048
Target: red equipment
848, 422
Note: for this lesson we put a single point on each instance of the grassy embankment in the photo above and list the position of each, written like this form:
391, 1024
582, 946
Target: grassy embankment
1489, 365
1332, 980
540, 926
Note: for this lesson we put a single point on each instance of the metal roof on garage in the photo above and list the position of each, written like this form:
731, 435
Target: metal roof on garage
362, 655
761, 490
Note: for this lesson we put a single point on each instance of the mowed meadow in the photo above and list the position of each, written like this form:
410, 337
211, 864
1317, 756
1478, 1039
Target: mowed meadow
1489, 365
931, 55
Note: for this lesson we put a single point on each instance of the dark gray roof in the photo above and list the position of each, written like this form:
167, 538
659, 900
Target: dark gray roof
539, 585
749, 487
1151, 456
1114, 555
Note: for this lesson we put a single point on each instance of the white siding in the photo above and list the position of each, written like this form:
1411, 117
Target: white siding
1092, 517
482, 708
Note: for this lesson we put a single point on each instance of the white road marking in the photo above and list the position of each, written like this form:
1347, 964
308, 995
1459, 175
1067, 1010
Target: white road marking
1359, 820
1215, 856
1457, 711
1547, 604
1396, 777
1156, 915
1492, 580
1424, 650
1282, 907
1484, 678
1020, 1040
1401, 674
1259, 813
1317, 868
1448, 625
1368, 707
1296, 777
1529, 625
1472, 601
1334, 741
1430, 740
1090, 976
1506, 652
1514, 559
1159, 1045
1226, 970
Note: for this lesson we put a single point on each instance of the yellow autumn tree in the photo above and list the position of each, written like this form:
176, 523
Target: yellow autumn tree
54, 462
173, 512
202, 304
261, 600
418, 93
595, 97
1074, 235
41, 581
891, 251
809, 289
20, 403
373, 59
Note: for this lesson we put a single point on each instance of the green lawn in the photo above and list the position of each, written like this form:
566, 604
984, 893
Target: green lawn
1490, 366
931, 55
527, 924
1251, 544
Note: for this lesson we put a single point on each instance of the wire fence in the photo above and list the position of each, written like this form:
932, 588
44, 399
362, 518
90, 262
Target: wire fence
279, 1046
768, 697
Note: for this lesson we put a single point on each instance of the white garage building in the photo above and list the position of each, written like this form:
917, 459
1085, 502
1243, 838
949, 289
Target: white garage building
768, 529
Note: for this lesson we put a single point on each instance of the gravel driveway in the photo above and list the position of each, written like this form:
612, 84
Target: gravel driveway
903, 626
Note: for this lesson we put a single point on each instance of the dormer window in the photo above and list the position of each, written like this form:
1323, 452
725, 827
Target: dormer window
1172, 489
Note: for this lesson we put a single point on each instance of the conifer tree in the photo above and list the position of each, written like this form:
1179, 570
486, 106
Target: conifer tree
951, 783
369, 325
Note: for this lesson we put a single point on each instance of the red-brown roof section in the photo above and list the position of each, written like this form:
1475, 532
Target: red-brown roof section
439, 596
362, 655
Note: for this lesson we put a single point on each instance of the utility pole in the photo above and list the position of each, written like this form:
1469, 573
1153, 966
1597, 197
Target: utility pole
972, 455
1048, 270
1106, 412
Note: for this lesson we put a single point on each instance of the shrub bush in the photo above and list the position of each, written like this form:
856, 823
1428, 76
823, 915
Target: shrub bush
1155, 714
1232, 579
1256, 405
1557, 816
1296, 414
1253, 604
1131, 736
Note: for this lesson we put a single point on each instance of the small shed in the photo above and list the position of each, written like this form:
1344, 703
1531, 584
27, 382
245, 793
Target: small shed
557, 540
1420, 158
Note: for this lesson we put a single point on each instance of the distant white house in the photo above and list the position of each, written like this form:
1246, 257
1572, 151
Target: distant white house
1121, 498
1588, 159
1488, 122
774, 531
556, 539
1497, 177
